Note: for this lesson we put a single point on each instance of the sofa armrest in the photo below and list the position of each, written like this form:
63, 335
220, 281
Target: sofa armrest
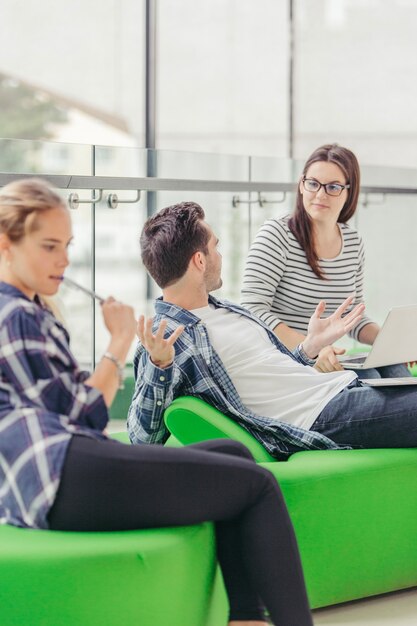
191, 420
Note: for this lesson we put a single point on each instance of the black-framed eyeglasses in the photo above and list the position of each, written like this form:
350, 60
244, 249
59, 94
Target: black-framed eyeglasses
332, 189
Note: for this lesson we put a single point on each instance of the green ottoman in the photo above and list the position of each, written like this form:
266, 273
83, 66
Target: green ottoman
164, 577
355, 517
354, 511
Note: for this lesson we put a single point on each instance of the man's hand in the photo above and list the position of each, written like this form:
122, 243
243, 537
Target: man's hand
324, 332
327, 360
161, 351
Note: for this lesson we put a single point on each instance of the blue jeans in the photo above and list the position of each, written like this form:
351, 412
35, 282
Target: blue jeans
371, 417
388, 371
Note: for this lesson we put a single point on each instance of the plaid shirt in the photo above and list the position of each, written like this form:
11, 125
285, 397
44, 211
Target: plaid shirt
43, 402
198, 371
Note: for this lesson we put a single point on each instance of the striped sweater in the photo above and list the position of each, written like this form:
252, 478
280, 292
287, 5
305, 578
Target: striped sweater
280, 286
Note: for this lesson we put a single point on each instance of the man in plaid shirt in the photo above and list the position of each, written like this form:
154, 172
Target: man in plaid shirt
232, 360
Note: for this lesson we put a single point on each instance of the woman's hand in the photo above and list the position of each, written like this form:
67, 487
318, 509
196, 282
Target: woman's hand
161, 351
327, 360
119, 319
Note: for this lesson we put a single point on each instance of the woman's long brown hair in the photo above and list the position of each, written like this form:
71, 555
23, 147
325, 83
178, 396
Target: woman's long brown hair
300, 222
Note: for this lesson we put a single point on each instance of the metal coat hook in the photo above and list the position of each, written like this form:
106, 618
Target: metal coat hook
263, 201
366, 202
113, 200
74, 199
236, 201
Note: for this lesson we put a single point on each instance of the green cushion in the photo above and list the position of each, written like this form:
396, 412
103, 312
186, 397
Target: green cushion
122, 436
354, 511
148, 578
191, 420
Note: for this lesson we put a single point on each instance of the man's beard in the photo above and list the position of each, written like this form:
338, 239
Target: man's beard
213, 284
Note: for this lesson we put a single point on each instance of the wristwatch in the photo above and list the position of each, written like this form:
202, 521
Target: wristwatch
303, 355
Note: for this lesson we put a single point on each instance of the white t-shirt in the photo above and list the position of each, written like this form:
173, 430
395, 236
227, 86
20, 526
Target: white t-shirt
269, 382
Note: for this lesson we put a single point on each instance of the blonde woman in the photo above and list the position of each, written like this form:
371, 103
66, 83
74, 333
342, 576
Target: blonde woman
59, 471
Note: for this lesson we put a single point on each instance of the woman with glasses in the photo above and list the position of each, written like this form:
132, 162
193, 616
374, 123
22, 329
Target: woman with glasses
313, 255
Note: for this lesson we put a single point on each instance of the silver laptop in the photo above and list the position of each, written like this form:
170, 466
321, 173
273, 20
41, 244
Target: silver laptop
396, 342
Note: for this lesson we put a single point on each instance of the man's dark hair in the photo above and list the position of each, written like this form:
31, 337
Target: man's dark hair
170, 238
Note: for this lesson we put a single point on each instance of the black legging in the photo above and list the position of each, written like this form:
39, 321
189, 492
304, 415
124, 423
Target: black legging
107, 485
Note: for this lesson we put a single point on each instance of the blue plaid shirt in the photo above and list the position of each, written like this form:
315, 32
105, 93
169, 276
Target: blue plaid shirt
198, 371
43, 402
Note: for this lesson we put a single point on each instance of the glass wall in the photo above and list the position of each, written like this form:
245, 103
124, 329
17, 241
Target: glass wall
222, 72
84, 58
355, 62
105, 254
230, 77
223, 75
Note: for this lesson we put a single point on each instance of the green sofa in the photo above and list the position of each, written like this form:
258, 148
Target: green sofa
354, 511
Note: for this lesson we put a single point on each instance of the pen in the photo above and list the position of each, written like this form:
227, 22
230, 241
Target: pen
89, 292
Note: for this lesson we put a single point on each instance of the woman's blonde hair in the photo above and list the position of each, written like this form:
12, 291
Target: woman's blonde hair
20, 203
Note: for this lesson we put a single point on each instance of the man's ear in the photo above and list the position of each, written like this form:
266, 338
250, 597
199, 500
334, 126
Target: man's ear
198, 260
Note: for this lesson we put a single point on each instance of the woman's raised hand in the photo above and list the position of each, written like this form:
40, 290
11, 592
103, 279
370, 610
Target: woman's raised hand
161, 350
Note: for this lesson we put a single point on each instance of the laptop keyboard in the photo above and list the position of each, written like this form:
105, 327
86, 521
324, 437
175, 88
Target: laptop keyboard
359, 358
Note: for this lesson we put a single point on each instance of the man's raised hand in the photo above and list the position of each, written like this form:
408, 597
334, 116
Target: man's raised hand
161, 350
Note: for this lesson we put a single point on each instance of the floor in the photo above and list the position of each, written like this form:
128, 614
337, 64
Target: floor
116, 426
392, 609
